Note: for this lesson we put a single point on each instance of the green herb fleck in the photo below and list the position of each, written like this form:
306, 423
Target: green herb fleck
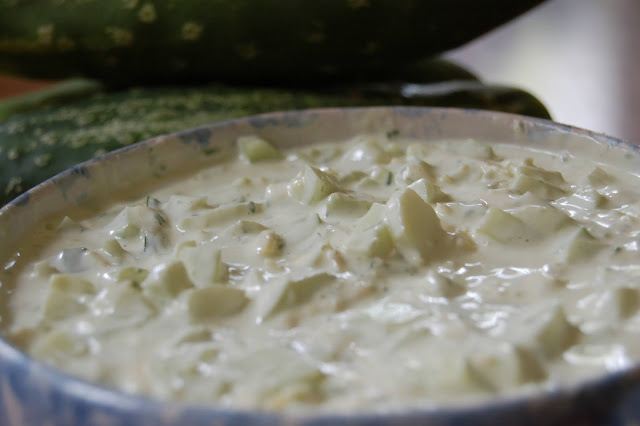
161, 220
392, 133
617, 250
252, 207
152, 202
389, 178
136, 285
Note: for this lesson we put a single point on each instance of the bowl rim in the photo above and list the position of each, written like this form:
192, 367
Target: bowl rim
136, 404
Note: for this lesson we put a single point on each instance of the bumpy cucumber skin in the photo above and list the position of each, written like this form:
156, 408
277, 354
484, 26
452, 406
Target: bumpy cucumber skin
34, 147
258, 41
428, 70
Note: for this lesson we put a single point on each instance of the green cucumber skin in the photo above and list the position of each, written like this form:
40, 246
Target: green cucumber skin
36, 146
428, 70
251, 41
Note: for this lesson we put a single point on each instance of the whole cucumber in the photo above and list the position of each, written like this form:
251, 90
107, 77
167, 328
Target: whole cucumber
243, 41
36, 146
428, 70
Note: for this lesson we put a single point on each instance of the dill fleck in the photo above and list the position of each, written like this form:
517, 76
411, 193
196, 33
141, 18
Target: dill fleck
152, 202
161, 220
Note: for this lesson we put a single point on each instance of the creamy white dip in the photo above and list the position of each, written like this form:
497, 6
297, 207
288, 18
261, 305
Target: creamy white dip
372, 274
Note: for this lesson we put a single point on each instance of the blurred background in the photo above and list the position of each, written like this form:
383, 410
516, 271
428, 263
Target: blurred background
580, 57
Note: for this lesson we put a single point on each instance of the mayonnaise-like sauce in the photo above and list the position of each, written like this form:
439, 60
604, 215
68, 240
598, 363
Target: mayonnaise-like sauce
372, 274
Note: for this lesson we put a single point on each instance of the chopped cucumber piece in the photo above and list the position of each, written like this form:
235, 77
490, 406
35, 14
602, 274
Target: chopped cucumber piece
269, 244
67, 296
504, 366
165, 282
416, 170
506, 228
429, 192
371, 234
215, 301
220, 215
204, 264
254, 149
415, 228
286, 293
312, 185
579, 246
346, 205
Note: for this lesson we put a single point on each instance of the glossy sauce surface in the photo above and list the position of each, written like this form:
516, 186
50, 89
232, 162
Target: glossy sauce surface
372, 274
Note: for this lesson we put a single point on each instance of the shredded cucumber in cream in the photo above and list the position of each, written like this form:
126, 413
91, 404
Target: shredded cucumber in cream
371, 274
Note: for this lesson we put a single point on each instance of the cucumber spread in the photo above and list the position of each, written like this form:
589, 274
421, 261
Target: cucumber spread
373, 274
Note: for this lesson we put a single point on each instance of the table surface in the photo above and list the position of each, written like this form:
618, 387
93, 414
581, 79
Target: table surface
580, 57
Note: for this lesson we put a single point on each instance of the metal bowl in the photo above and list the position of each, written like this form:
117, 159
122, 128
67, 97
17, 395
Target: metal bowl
32, 393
